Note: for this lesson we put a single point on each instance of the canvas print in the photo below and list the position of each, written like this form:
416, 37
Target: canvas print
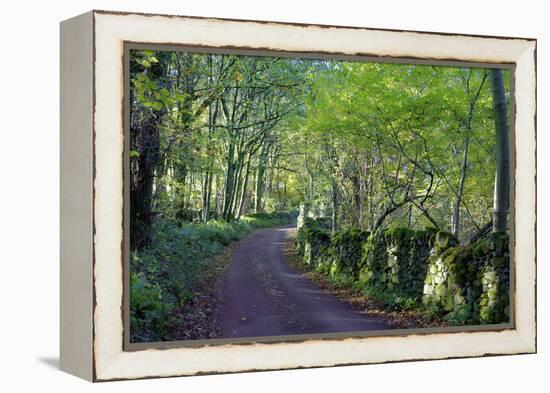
286, 197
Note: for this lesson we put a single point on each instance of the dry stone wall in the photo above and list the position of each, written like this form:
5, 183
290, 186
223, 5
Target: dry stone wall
465, 284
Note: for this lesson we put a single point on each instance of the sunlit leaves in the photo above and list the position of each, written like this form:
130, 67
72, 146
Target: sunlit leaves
381, 131
422, 114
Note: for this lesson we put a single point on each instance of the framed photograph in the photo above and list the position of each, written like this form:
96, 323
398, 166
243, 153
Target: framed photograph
248, 195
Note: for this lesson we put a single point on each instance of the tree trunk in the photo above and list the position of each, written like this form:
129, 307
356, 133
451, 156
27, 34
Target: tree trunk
334, 206
362, 192
259, 189
357, 202
460, 193
502, 173
142, 191
236, 187
240, 211
260, 180
218, 205
207, 191
229, 181
311, 181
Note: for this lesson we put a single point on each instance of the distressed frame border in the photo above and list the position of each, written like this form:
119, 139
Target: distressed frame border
129, 346
112, 32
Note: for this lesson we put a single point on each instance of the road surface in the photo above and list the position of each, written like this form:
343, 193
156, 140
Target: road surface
261, 295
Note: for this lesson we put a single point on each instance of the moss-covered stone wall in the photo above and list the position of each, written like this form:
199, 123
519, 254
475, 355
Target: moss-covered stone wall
465, 284
470, 283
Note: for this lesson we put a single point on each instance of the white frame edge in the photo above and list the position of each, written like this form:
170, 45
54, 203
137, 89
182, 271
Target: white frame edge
111, 30
76, 204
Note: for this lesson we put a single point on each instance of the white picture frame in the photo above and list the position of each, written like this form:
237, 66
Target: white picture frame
92, 193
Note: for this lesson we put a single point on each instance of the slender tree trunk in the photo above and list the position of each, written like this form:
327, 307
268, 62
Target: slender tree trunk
188, 203
362, 193
460, 193
456, 221
236, 187
334, 206
357, 203
229, 181
218, 196
502, 173
206, 192
260, 179
212, 116
240, 211
311, 181
209, 198
258, 203
370, 193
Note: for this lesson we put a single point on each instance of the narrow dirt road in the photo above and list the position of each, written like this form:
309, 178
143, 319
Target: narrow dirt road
261, 295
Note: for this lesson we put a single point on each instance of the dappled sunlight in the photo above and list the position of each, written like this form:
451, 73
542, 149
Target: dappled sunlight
387, 180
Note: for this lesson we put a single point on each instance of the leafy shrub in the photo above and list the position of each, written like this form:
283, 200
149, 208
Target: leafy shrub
151, 312
392, 300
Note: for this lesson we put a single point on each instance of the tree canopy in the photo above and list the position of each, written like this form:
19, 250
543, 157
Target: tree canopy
220, 136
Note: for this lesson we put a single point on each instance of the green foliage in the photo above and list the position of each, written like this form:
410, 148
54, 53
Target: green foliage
402, 123
384, 150
152, 311
163, 276
392, 300
300, 127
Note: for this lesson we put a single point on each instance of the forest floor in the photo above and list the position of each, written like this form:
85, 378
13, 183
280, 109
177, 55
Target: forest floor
397, 319
261, 295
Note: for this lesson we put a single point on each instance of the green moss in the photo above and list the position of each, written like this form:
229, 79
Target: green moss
313, 243
430, 234
482, 248
449, 257
373, 258
500, 243
398, 234
467, 284
348, 248
444, 240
